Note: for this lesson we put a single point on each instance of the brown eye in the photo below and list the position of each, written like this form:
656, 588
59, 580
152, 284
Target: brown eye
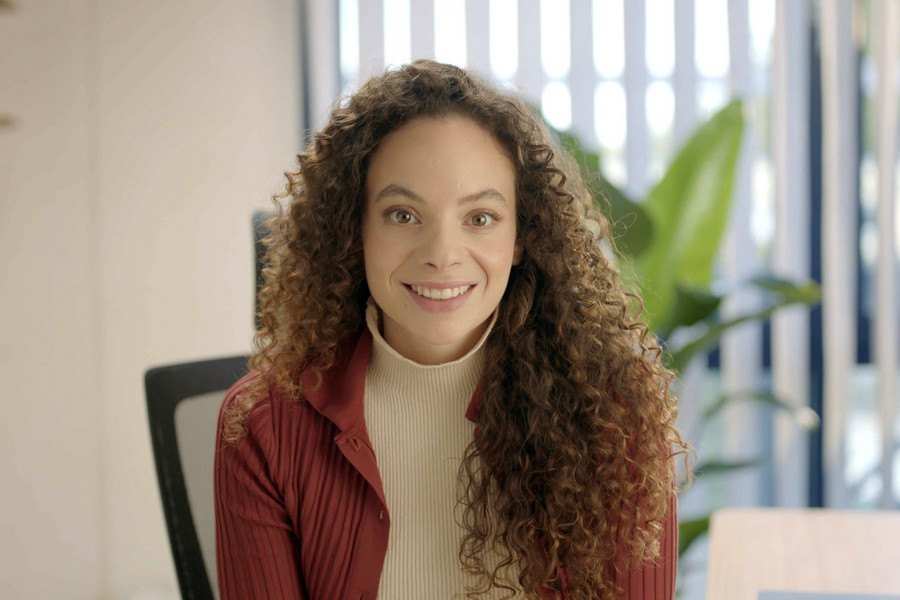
482, 220
400, 216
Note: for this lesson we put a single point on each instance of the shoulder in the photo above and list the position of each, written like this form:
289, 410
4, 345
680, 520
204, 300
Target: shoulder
273, 438
255, 409
255, 403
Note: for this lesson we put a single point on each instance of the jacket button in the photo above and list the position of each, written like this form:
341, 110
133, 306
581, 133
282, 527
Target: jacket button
381, 516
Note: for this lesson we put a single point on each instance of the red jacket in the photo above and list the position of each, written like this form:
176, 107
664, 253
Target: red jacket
300, 508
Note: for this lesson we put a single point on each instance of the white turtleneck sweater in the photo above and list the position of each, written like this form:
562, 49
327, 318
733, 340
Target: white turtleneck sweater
415, 417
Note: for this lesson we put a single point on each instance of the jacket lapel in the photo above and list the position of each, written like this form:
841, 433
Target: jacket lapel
339, 398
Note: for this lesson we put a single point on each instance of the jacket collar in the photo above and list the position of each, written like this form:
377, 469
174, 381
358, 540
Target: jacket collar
339, 398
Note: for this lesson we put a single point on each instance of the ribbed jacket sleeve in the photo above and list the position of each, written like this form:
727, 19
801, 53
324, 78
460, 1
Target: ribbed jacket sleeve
654, 580
296, 519
257, 550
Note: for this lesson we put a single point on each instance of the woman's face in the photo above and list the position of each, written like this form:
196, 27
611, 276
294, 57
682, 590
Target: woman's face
439, 235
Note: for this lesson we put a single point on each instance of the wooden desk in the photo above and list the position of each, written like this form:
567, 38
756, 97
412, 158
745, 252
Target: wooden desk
810, 550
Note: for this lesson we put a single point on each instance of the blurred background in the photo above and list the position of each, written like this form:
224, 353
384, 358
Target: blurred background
137, 138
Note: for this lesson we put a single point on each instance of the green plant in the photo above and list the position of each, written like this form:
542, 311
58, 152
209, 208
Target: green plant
669, 243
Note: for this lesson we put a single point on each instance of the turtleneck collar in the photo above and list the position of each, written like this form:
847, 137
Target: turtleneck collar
387, 362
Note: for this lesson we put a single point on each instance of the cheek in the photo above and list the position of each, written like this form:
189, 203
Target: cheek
381, 253
370, 254
497, 260
502, 251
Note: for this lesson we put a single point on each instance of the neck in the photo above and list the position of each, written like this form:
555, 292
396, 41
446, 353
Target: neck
421, 353
431, 354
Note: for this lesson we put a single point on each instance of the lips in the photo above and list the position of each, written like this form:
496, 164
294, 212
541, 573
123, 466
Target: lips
440, 297
438, 293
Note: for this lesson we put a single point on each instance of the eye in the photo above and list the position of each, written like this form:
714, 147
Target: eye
483, 219
400, 216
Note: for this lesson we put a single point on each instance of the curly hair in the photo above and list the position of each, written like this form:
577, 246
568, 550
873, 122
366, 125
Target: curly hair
573, 459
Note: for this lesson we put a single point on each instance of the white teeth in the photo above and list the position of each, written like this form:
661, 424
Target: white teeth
444, 294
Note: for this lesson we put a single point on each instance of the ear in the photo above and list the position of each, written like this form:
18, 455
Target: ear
518, 253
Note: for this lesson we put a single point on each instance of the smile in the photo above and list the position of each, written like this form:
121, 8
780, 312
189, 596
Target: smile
440, 300
439, 294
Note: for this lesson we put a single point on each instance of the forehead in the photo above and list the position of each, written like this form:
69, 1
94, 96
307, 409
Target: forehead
441, 156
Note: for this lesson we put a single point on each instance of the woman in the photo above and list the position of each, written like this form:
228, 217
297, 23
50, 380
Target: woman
449, 396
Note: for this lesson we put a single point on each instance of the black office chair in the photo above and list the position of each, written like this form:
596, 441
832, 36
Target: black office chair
183, 404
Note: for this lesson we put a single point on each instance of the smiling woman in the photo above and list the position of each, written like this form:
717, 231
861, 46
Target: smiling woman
449, 395
439, 237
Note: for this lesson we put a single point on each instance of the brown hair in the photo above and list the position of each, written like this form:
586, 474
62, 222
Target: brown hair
575, 417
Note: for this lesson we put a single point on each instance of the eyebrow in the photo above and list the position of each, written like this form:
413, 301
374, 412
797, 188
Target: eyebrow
398, 190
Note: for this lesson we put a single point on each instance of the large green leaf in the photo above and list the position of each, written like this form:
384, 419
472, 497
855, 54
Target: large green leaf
630, 225
690, 306
688, 210
803, 415
807, 292
689, 531
719, 467
588, 162
780, 293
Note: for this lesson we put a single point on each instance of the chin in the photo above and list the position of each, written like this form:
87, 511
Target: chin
455, 337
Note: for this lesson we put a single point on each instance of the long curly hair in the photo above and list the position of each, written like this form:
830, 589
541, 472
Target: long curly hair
574, 457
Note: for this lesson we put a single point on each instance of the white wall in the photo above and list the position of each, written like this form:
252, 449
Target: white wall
145, 133
50, 431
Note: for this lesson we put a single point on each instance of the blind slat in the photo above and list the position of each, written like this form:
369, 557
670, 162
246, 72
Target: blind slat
530, 74
685, 74
371, 38
839, 226
636, 147
421, 16
323, 64
582, 76
886, 353
478, 29
742, 348
790, 252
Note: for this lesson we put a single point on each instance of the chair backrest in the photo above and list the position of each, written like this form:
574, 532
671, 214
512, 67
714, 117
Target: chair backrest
183, 405
260, 231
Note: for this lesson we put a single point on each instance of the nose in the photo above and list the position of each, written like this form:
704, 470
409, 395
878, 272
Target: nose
441, 247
